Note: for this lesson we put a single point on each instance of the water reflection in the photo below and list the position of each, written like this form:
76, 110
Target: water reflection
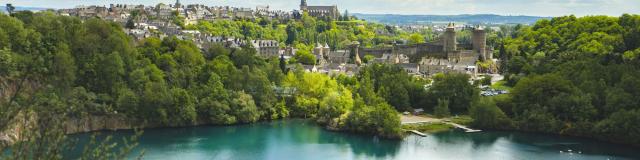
477, 140
300, 139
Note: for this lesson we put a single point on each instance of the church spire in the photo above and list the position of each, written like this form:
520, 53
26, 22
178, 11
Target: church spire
303, 5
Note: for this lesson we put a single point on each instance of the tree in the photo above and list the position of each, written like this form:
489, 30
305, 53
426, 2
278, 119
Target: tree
283, 64
380, 119
183, 107
503, 59
346, 16
280, 110
130, 24
216, 50
10, 9
292, 33
368, 58
7, 62
454, 87
486, 80
63, 68
416, 38
486, 114
305, 57
334, 105
127, 102
109, 73
244, 107
619, 126
442, 109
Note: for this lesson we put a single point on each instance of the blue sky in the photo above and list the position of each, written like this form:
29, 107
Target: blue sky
438, 7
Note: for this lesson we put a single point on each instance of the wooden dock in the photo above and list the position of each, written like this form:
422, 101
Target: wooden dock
417, 132
465, 128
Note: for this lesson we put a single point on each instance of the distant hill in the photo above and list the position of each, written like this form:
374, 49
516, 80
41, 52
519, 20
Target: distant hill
3, 8
396, 19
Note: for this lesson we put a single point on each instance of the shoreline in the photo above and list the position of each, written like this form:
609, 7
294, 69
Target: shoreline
432, 125
90, 124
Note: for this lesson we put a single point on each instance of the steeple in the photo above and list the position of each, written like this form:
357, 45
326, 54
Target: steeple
303, 5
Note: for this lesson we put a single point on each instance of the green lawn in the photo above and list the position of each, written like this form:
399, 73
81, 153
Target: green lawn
500, 85
463, 120
428, 127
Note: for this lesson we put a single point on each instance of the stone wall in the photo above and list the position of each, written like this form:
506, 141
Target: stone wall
415, 52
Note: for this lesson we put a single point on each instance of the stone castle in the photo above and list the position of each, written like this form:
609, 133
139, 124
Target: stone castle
443, 55
444, 48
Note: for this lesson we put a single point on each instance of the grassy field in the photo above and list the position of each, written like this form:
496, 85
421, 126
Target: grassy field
428, 127
500, 85
463, 120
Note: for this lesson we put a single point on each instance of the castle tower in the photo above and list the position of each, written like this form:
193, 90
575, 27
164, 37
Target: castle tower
178, 5
325, 50
303, 5
396, 58
357, 59
318, 49
449, 39
479, 41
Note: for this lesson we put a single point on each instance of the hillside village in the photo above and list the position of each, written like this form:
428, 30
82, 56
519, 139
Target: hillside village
443, 54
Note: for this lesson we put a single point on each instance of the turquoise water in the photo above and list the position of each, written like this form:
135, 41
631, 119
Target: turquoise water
299, 139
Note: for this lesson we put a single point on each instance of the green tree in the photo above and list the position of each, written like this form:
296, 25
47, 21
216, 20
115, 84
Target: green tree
619, 126
334, 105
63, 68
130, 24
346, 16
183, 107
442, 109
305, 57
244, 108
110, 73
486, 114
456, 88
416, 38
216, 50
283, 64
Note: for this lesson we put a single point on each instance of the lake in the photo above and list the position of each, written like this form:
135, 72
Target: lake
301, 139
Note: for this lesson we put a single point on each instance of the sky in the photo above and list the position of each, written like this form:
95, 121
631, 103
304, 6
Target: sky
413, 7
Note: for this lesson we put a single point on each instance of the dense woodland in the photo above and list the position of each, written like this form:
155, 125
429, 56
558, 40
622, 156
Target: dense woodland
60, 68
575, 76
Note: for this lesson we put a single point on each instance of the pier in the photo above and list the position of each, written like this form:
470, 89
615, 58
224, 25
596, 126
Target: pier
417, 133
465, 128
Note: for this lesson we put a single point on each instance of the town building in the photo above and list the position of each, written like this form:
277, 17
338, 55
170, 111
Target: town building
331, 12
266, 48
